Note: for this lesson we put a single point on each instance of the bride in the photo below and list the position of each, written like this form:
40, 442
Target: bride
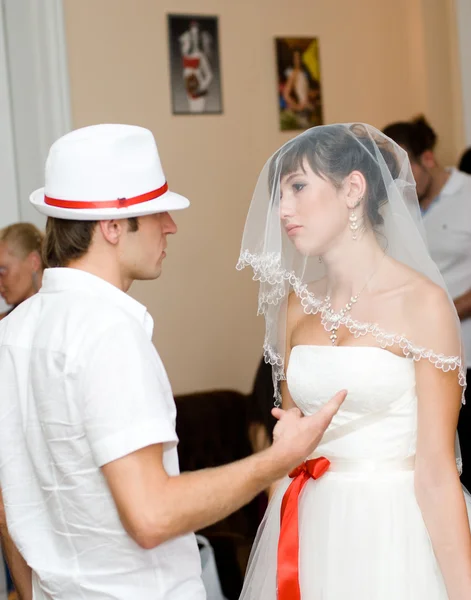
353, 300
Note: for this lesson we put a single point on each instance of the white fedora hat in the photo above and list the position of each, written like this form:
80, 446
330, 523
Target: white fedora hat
105, 172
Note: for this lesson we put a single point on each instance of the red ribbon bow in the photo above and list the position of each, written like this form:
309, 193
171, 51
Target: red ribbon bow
288, 544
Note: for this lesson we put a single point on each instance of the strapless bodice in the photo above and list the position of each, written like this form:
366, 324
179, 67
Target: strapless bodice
378, 419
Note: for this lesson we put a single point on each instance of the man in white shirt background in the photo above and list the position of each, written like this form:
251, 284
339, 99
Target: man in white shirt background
94, 505
445, 201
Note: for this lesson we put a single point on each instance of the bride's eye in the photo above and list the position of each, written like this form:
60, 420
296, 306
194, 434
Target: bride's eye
297, 187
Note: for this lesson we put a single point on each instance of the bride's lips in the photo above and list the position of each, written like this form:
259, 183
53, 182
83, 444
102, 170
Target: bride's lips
292, 229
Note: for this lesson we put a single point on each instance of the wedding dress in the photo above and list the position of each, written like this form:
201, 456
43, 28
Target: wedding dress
361, 531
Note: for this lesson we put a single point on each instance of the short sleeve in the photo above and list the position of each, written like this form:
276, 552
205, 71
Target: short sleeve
126, 399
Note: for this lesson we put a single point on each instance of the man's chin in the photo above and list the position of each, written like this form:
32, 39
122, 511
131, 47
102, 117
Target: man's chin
148, 275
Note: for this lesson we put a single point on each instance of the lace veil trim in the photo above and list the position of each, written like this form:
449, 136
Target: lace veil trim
267, 269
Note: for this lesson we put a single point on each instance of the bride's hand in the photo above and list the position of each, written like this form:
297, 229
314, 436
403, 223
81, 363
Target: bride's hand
296, 437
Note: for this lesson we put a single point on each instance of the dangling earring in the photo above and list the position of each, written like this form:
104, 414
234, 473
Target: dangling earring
319, 259
353, 220
35, 282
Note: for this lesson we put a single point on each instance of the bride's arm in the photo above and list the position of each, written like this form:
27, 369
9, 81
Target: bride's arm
437, 485
293, 313
286, 400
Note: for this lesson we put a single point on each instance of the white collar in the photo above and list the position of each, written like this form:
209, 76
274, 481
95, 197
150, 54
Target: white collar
60, 279
454, 182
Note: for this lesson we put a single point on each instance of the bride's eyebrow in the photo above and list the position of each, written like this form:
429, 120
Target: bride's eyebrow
293, 175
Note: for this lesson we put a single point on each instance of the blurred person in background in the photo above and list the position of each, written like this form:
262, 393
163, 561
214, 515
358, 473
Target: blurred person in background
261, 422
445, 201
21, 265
21, 270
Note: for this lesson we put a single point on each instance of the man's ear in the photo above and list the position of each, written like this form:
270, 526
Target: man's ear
112, 230
427, 159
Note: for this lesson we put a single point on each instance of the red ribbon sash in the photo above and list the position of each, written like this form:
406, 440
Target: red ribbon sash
118, 203
288, 544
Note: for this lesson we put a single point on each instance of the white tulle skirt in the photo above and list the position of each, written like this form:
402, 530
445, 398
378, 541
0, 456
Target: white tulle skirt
360, 538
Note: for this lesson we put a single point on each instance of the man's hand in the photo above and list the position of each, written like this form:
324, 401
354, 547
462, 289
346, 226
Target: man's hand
154, 506
295, 437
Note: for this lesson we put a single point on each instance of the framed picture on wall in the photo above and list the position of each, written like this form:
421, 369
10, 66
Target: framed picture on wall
195, 75
299, 83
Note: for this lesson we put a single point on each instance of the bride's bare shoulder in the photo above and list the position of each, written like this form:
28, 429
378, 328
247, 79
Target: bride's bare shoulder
431, 318
417, 290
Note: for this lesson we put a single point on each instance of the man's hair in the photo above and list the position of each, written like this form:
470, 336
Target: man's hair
416, 136
68, 240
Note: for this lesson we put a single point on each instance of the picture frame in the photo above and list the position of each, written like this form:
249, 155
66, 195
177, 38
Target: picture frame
299, 83
195, 72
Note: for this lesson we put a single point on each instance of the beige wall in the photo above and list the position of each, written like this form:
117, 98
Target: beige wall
381, 61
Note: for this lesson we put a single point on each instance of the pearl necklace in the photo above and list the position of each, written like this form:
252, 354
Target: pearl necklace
331, 320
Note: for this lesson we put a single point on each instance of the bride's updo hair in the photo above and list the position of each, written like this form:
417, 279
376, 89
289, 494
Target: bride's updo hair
333, 152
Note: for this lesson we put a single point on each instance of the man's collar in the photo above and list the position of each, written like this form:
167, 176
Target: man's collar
63, 279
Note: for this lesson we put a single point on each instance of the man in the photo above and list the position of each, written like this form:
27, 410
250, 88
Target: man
94, 503
445, 201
